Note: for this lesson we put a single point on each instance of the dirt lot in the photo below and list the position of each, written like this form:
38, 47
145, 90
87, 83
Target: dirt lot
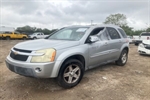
109, 82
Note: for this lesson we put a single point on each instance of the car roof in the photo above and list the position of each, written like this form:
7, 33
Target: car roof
145, 32
94, 26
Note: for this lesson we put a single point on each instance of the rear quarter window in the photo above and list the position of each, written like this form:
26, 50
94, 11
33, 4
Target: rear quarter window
122, 33
145, 34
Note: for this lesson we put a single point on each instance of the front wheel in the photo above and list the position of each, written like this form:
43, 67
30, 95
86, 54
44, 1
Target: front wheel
71, 73
136, 44
8, 38
123, 58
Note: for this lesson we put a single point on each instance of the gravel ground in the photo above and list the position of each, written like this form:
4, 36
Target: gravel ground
109, 82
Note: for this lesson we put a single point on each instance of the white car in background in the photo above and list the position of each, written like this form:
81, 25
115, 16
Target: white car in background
144, 47
37, 35
142, 36
130, 38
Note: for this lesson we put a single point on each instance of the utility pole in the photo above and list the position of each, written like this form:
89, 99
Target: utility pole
91, 22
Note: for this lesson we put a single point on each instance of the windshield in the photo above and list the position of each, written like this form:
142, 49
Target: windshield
34, 33
73, 34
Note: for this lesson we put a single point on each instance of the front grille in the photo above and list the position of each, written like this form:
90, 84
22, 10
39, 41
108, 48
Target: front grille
147, 48
18, 57
20, 50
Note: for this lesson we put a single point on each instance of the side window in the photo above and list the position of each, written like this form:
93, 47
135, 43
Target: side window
113, 33
123, 33
103, 35
7, 32
16, 33
96, 31
145, 34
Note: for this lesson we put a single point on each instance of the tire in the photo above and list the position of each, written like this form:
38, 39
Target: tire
7, 38
140, 53
123, 58
70, 74
136, 44
24, 38
34, 38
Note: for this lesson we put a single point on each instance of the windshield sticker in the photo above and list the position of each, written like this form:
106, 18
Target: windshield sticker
81, 30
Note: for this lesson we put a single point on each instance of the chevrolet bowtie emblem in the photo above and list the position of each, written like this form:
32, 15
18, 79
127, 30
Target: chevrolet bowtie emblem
15, 53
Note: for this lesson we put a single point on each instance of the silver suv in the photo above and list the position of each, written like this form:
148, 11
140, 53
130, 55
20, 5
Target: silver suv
68, 52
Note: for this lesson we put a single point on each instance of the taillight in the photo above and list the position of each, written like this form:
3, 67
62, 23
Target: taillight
147, 38
127, 40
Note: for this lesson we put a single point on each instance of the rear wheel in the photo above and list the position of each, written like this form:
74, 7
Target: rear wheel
136, 44
123, 58
34, 38
70, 73
24, 38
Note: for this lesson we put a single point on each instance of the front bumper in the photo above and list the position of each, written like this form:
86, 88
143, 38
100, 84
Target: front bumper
143, 50
38, 70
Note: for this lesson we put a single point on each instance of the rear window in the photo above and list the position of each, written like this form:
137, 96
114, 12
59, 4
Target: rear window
7, 33
145, 34
122, 33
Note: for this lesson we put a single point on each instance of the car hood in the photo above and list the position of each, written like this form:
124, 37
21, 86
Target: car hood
146, 41
45, 44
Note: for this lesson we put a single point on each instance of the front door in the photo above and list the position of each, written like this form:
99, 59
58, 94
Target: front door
99, 51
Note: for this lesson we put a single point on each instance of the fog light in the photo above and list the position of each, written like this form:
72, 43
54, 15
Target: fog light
38, 70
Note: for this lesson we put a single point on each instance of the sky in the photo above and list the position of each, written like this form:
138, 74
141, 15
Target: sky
60, 13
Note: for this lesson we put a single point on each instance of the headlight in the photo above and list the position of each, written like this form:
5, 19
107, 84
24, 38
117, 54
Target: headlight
141, 45
49, 56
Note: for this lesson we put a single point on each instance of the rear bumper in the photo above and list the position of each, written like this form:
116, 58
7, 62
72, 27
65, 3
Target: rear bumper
137, 41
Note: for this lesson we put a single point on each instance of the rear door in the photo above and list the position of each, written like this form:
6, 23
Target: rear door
42, 35
19, 36
115, 43
38, 35
13, 35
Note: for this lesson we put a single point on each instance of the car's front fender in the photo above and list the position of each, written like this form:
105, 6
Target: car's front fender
83, 51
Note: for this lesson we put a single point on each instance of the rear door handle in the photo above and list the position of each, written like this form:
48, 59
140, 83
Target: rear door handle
106, 43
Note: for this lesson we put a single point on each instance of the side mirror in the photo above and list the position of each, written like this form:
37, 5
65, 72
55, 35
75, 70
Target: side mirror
93, 39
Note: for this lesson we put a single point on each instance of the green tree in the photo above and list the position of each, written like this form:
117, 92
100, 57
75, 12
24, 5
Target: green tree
128, 30
119, 20
26, 29
38, 30
116, 19
46, 31
138, 32
148, 29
